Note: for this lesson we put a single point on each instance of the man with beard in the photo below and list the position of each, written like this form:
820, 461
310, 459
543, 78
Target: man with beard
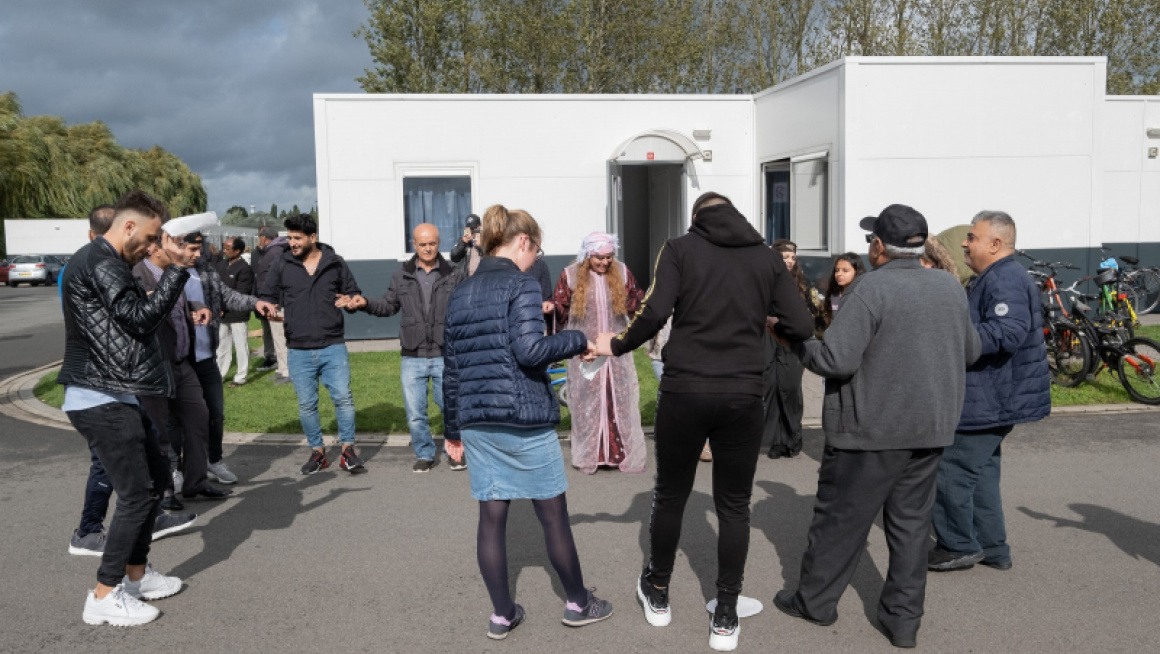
112, 355
306, 281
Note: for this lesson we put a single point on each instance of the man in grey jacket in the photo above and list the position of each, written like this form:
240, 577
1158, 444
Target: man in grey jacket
894, 359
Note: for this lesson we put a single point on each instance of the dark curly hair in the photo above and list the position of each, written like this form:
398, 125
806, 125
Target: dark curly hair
833, 289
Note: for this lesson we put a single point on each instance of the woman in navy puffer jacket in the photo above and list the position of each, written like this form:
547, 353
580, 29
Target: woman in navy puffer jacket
499, 409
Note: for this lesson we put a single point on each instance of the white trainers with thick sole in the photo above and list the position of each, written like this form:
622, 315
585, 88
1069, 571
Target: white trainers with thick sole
722, 639
118, 609
153, 585
656, 616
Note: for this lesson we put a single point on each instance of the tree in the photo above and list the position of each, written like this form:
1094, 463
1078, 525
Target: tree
274, 210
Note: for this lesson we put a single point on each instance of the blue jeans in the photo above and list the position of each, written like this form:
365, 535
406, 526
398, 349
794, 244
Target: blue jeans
331, 366
98, 490
968, 509
416, 372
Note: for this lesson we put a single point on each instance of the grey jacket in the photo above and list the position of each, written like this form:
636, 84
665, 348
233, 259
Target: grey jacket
897, 356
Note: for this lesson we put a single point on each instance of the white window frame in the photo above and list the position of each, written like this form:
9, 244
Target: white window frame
430, 169
825, 220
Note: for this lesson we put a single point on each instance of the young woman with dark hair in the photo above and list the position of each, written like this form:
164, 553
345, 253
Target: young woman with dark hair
847, 268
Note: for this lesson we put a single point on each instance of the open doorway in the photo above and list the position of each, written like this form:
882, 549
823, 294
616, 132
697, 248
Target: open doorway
647, 208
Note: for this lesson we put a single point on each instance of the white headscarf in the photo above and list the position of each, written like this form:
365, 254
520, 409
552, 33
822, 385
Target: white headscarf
597, 243
189, 224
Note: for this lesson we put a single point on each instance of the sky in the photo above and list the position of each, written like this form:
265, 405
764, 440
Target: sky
226, 85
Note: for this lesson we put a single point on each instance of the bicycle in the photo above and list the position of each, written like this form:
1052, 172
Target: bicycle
1114, 304
1143, 284
559, 384
1069, 354
1134, 359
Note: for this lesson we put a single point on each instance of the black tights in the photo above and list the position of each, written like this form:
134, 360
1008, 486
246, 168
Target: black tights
491, 547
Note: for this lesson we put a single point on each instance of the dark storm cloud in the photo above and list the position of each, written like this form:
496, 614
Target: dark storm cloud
225, 85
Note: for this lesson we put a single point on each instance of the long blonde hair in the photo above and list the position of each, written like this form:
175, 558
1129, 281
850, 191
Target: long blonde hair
616, 289
501, 226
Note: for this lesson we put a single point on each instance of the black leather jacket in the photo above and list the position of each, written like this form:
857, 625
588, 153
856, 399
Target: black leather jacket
111, 324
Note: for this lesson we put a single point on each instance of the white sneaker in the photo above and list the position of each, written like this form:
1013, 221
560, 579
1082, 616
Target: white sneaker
118, 609
723, 637
153, 585
220, 473
178, 481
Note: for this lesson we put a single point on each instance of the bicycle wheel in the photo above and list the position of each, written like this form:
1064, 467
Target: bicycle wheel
1147, 284
562, 394
1137, 369
1068, 354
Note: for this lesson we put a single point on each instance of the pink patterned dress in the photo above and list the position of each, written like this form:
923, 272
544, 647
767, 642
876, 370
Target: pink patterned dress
605, 410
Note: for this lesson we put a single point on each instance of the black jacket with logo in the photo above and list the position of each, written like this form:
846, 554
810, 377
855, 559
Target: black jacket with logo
237, 276
718, 282
420, 330
312, 321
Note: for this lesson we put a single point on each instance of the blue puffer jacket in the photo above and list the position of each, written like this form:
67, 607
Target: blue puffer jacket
495, 354
1009, 384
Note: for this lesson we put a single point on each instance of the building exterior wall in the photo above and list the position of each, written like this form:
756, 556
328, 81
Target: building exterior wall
1131, 203
45, 236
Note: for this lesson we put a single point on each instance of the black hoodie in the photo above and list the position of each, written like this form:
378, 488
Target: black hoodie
312, 320
719, 282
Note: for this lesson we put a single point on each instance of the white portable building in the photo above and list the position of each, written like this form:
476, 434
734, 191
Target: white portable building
806, 160
45, 236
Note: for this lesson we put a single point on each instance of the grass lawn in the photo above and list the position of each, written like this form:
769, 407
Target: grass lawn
259, 406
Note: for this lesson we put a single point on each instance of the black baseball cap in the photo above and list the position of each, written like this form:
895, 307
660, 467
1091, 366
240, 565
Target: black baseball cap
472, 222
194, 238
897, 225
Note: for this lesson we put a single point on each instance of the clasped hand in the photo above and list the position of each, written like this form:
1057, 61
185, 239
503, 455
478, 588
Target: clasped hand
601, 348
349, 302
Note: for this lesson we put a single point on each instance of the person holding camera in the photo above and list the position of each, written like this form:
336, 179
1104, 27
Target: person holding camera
467, 252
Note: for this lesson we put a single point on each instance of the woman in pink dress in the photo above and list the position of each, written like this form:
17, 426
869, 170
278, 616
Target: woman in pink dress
597, 294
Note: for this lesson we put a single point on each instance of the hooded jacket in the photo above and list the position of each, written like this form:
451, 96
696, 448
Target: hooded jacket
270, 255
312, 321
718, 282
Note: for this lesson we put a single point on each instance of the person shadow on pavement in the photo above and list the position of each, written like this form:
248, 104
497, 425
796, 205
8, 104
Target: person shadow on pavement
698, 535
784, 518
1135, 537
269, 505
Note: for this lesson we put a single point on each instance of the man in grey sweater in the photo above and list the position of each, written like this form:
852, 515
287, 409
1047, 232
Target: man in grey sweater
894, 361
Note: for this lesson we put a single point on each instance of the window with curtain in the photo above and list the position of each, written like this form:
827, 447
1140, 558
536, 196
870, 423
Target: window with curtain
442, 201
808, 195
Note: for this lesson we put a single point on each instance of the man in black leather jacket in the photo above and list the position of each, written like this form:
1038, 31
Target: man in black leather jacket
112, 355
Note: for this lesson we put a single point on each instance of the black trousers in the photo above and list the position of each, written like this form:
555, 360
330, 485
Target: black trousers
120, 434
190, 410
784, 404
852, 487
732, 425
210, 378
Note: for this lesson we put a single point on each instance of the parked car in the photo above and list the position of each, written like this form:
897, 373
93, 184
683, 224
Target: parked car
4, 271
36, 269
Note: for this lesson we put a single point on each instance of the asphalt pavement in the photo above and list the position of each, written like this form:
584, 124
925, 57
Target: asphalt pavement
385, 561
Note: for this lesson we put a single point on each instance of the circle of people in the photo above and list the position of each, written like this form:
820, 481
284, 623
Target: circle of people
923, 381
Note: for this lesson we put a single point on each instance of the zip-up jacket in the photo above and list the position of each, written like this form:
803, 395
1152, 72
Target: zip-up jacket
312, 321
718, 282
420, 328
111, 324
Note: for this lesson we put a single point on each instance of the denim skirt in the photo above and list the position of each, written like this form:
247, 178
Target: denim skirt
509, 463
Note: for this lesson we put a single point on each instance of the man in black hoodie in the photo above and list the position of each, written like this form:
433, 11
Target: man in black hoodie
729, 284
306, 281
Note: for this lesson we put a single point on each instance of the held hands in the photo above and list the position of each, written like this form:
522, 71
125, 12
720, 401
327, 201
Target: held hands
770, 323
350, 302
201, 317
547, 306
454, 449
266, 309
603, 346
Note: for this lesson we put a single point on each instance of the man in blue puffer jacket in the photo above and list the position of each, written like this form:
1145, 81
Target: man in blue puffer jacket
1008, 385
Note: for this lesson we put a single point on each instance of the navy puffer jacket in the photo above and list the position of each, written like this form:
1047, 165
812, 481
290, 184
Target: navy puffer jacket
1009, 384
495, 354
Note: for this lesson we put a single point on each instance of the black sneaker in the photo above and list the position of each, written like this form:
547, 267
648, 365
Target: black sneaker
1003, 565
422, 465
654, 600
458, 464
499, 628
724, 628
940, 560
317, 462
350, 462
171, 523
88, 545
267, 366
786, 602
594, 611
